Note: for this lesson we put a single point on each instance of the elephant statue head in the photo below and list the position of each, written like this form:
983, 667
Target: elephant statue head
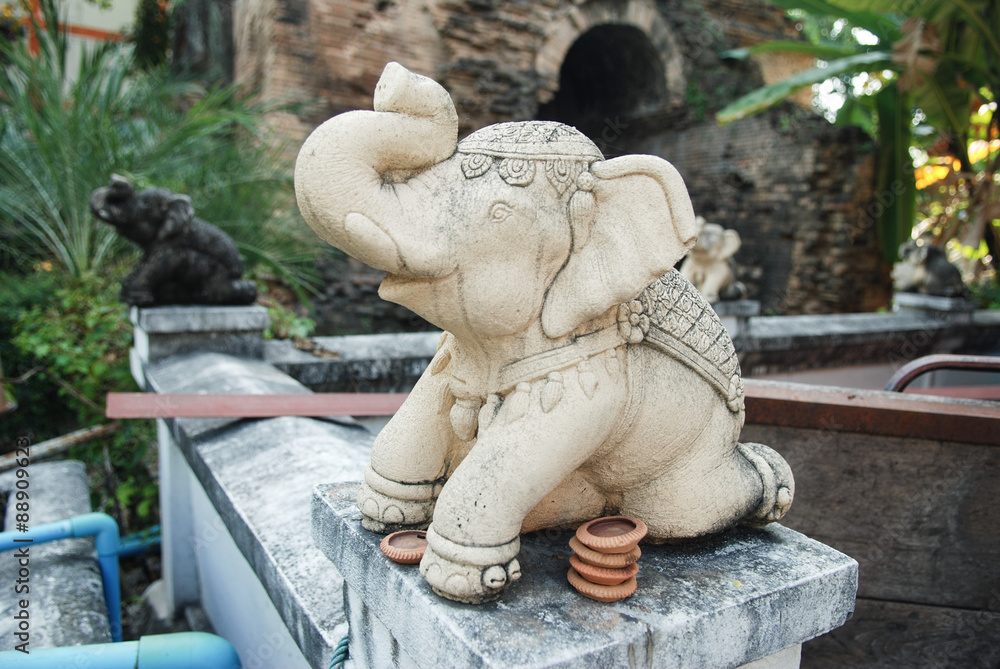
578, 374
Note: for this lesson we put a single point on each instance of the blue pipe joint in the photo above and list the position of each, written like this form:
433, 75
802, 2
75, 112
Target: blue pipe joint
102, 527
192, 650
182, 650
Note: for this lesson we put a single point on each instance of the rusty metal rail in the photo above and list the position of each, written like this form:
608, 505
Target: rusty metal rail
151, 405
911, 370
767, 403
871, 412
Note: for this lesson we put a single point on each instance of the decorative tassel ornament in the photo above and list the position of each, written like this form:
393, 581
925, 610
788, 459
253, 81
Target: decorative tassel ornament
489, 411
517, 403
440, 361
552, 392
588, 380
611, 363
465, 418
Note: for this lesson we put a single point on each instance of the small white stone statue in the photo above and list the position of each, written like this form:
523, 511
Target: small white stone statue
709, 265
924, 268
579, 375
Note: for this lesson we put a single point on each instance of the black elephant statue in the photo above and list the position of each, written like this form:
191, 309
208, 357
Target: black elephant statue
185, 260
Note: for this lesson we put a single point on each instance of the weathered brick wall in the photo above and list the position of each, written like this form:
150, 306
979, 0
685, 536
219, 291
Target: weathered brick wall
787, 181
796, 189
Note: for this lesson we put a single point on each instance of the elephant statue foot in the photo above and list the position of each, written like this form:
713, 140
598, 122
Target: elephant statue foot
469, 574
779, 486
389, 506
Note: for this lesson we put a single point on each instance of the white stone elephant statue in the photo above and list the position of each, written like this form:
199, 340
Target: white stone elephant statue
709, 264
578, 376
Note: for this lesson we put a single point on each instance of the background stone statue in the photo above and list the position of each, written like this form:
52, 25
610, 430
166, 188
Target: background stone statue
579, 375
924, 268
185, 260
709, 264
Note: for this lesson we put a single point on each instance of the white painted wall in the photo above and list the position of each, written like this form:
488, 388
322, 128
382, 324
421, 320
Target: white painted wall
201, 562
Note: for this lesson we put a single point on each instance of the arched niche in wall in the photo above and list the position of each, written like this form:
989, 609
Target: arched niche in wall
610, 68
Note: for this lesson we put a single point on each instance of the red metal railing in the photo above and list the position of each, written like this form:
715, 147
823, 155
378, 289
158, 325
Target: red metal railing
915, 368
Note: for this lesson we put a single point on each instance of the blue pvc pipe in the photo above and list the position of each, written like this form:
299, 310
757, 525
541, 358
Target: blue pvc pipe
135, 544
104, 529
183, 650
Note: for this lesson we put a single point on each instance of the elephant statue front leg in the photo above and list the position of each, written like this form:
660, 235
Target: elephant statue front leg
528, 448
411, 456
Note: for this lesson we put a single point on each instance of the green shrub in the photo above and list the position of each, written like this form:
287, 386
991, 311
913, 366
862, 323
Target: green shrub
41, 414
82, 336
986, 293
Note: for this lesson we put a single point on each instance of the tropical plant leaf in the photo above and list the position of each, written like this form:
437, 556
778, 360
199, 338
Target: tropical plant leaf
883, 26
768, 96
822, 51
856, 111
945, 102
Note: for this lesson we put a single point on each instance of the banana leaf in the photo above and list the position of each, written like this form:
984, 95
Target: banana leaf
883, 26
822, 51
768, 96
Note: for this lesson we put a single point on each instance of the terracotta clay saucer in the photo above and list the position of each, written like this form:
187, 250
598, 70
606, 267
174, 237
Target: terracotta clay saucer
602, 593
614, 534
406, 547
606, 560
602, 575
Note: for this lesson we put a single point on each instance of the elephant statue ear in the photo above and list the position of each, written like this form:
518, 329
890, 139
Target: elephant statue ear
643, 224
179, 214
730, 244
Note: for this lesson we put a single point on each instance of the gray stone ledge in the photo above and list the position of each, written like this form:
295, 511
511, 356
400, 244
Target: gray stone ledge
259, 475
742, 308
366, 363
916, 301
766, 344
174, 319
66, 593
216, 374
774, 344
723, 602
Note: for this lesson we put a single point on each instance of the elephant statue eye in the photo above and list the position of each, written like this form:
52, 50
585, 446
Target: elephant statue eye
500, 212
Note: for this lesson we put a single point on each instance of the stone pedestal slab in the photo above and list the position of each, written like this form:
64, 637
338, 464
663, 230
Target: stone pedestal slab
735, 315
161, 332
739, 598
916, 302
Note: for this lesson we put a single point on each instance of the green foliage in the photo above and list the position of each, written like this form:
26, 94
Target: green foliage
286, 324
931, 66
696, 100
895, 184
768, 96
81, 335
63, 134
40, 414
986, 293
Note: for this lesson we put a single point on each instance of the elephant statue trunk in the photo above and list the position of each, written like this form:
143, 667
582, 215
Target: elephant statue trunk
579, 374
352, 173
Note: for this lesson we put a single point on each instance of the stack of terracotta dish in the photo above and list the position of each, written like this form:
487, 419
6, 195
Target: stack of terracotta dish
605, 554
